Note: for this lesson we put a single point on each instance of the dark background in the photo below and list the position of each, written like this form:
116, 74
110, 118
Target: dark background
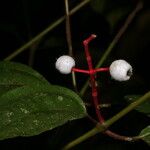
21, 20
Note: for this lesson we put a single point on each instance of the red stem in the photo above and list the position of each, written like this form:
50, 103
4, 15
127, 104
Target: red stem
80, 70
94, 89
102, 69
90, 72
92, 77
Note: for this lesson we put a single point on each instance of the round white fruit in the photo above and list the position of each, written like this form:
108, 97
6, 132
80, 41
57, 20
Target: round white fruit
120, 70
64, 64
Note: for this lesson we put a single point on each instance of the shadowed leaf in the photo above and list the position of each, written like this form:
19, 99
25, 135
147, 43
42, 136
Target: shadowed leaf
14, 75
145, 134
144, 107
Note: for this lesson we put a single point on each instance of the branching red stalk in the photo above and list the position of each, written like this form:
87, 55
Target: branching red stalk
96, 102
92, 76
88, 72
95, 92
92, 72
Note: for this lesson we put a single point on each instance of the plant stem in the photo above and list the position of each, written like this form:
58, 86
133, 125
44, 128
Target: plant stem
89, 72
81, 138
34, 46
32, 52
68, 29
69, 41
139, 6
74, 82
44, 32
92, 76
102, 127
92, 72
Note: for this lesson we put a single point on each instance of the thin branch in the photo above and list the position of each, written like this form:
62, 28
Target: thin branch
68, 29
69, 41
34, 46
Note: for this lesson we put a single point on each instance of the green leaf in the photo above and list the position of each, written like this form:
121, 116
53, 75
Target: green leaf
145, 135
6, 65
14, 75
28, 111
144, 107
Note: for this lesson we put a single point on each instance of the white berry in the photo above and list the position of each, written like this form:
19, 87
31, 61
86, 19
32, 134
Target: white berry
120, 70
64, 64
